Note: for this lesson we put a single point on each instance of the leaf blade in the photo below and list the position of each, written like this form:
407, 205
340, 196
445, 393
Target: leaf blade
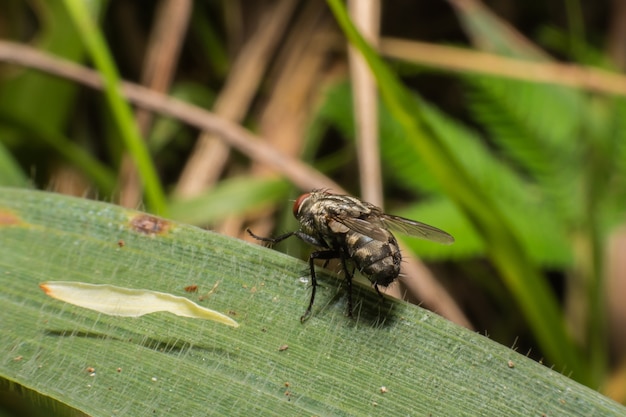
333, 365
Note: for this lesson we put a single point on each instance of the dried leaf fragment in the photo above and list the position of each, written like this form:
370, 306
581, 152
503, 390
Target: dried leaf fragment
128, 302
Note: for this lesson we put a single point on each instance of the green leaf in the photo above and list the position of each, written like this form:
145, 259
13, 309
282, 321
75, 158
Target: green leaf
540, 233
64, 356
536, 126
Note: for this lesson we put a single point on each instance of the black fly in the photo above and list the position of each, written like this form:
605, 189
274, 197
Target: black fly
347, 228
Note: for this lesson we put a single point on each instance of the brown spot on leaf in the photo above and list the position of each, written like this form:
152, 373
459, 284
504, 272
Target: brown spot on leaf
8, 218
149, 225
191, 288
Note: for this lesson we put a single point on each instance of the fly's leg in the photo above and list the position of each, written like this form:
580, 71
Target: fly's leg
271, 239
315, 241
312, 240
348, 281
378, 291
325, 254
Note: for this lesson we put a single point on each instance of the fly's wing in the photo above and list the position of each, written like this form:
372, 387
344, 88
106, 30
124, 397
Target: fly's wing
414, 228
372, 227
369, 220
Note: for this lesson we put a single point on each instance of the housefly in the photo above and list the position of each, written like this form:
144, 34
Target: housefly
351, 230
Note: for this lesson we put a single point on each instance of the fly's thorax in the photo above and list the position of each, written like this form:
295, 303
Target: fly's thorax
314, 211
322, 202
378, 260
340, 205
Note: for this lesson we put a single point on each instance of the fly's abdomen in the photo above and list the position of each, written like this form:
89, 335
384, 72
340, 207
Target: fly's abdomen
378, 260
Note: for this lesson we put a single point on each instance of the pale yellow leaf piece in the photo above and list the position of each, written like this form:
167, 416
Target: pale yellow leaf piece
128, 302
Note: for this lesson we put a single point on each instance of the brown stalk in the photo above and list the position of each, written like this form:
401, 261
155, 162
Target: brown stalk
482, 63
301, 174
293, 80
616, 47
366, 16
210, 152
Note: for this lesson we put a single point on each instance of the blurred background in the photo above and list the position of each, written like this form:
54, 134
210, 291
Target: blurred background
507, 129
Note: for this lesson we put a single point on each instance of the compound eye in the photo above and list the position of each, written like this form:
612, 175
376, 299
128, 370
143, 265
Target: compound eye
299, 202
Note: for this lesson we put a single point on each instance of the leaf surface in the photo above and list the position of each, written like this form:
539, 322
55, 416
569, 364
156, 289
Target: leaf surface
272, 364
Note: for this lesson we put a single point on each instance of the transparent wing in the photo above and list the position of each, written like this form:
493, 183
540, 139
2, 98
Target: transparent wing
376, 226
414, 228
372, 228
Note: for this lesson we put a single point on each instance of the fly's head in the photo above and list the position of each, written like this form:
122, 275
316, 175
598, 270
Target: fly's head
304, 210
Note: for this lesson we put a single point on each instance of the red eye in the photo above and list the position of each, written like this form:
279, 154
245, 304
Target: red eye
298, 203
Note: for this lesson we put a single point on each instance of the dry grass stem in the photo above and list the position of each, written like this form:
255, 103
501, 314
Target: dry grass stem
210, 154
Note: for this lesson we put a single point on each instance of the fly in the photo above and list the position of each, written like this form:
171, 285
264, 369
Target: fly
348, 229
